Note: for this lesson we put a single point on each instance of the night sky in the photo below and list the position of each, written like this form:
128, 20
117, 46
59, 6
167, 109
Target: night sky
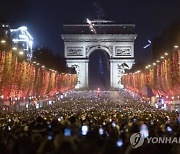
44, 18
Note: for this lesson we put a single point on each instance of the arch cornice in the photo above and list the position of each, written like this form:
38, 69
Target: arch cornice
98, 37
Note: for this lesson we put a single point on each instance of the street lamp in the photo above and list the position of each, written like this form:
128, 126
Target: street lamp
3, 41
21, 52
172, 99
16, 103
176, 46
2, 101
162, 57
30, 100
28, 105
14, 48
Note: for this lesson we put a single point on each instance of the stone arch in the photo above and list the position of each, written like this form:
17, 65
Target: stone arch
117, 41
99, 66
98, 47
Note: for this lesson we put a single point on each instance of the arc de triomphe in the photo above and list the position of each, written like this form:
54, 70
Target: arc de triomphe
115, 39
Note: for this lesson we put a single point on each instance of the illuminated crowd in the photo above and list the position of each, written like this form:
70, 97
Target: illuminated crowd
88, 122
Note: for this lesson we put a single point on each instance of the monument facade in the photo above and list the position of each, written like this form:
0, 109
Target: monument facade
115, 39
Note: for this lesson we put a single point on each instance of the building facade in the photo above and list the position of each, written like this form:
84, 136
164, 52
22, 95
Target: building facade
19, 40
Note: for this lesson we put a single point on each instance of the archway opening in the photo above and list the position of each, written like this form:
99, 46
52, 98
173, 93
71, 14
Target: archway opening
99, 70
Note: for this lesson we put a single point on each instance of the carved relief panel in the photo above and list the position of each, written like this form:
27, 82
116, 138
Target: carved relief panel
123, 51
74, 51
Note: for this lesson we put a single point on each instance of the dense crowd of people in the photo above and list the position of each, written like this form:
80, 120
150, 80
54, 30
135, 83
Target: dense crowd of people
87, 122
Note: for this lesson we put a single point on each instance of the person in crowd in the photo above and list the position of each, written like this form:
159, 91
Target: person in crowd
85, 122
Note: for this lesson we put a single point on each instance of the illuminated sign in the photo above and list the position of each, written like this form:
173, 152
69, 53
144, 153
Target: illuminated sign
22, 38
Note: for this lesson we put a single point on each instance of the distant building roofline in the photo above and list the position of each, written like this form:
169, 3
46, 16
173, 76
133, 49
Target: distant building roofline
74, 25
